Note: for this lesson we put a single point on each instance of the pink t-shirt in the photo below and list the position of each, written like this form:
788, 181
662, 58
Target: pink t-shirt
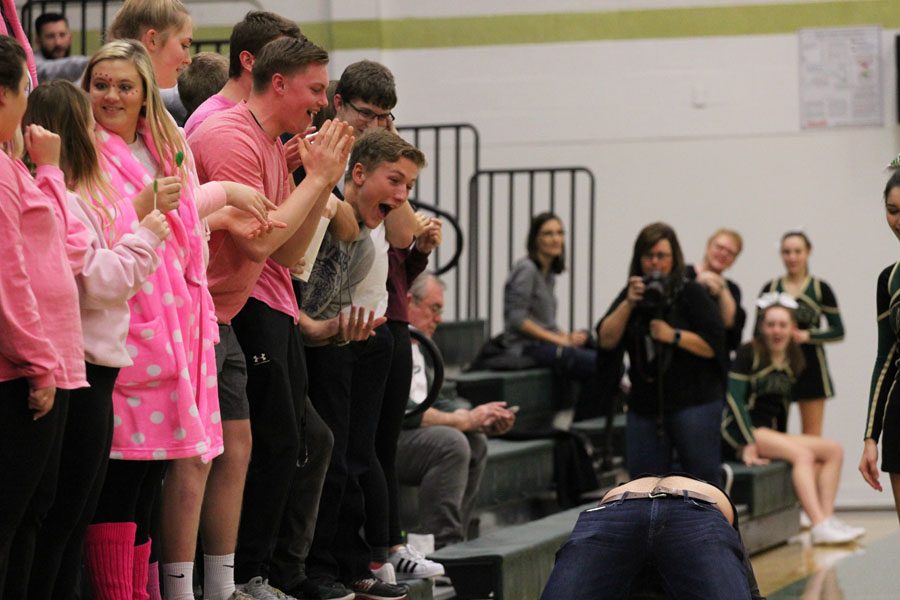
212, 105
231, 146
40, 329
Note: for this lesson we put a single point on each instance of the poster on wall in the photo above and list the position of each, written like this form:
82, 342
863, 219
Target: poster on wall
840, 77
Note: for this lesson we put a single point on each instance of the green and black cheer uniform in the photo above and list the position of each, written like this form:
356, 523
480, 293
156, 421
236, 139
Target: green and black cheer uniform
759, 395
816, 301
884, 408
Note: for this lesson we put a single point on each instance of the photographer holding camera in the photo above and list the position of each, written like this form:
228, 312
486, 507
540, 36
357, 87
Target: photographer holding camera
675, 339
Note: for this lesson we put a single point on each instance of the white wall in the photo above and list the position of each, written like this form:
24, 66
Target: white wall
626, 110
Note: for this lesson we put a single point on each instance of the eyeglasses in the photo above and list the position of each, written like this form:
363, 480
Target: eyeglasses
660, 256
370, 115
725, 249
436, 309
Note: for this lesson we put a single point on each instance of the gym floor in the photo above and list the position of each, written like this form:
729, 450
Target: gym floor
866, 570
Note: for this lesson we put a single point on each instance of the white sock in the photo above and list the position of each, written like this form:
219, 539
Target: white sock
178, 581
218, 576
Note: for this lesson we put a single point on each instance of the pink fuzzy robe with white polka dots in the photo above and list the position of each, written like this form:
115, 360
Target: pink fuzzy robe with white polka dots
166, 404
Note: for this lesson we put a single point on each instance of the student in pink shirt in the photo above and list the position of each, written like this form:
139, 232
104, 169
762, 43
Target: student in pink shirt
109, 269
262, 380
41, 352
165, 404
164, 27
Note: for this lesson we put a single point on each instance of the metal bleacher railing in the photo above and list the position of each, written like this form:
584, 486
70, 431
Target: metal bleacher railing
496, 207
454, 187
90, 18
501, 204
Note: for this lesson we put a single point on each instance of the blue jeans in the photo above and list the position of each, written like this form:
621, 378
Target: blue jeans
698, 554
692, 431
580, 363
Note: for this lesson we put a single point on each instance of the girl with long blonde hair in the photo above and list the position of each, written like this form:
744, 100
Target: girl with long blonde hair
110, 267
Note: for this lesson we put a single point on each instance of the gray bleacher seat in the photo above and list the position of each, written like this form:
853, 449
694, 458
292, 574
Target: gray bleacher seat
512, 563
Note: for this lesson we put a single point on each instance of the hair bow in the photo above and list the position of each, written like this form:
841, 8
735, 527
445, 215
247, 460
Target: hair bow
776, 298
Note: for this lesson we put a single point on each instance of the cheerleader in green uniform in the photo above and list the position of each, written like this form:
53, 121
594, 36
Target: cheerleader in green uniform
883, 415
760, 386
815, 300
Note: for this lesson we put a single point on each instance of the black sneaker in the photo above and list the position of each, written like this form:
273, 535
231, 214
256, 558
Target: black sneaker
333, 591
375, 589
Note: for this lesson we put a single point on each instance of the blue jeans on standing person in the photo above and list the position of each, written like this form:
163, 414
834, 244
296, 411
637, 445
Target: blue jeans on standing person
698, 554
693, 431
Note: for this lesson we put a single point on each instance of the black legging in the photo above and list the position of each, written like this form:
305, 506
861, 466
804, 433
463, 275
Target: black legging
29, 464
82, 469
382, 504
129, 493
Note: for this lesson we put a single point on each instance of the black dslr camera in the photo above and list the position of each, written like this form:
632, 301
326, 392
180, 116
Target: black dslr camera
657, 293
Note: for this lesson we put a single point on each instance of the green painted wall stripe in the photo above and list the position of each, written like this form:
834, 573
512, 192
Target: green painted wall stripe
500, 30
618, 25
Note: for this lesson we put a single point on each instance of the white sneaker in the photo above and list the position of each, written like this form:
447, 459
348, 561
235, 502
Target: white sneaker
386, 573
805, 523
827, 532
857, 532
260, 589
409, 564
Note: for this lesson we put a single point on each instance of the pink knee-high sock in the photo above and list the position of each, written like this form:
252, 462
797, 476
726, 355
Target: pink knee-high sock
141, 571
153, 590
109, 560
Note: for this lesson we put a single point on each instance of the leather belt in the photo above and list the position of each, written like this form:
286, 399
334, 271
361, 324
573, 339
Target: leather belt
659, 492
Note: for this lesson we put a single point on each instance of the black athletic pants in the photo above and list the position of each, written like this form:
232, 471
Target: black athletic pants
29, 465
276, 390
346, 387
82, 470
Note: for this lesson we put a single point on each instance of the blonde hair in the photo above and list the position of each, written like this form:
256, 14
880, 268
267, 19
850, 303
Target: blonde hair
730, 233
137, 16
61, 107
167, 141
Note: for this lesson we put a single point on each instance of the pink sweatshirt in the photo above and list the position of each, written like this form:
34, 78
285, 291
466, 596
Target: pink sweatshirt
40, 330
166, 405
107, 276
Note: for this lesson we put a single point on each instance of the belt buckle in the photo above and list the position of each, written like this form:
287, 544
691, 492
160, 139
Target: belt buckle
659, 492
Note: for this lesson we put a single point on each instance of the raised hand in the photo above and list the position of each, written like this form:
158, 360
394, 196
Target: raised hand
430, 236
326, 155
43, 146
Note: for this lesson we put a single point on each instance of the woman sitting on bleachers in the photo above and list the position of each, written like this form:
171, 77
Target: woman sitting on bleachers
529, 306
755, 422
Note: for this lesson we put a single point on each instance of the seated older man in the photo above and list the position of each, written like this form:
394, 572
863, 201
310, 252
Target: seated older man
443, 450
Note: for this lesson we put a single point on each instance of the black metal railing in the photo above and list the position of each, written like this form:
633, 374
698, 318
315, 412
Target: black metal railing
501, 204
453, 151
214, 45
79, 13
86, 15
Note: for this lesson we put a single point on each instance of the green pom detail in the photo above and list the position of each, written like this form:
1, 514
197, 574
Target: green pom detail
895, 164
179, 158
